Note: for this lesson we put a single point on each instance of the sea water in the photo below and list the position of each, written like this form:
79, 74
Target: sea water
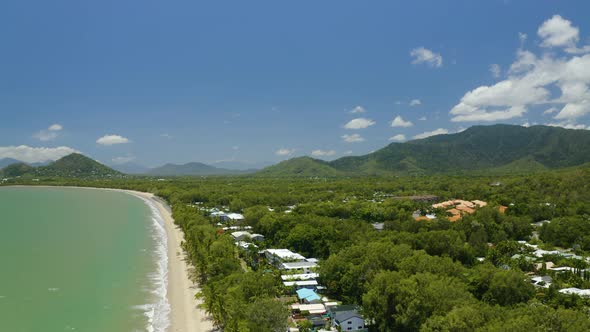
81, 260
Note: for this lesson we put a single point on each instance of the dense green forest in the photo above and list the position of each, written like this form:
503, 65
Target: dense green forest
411, 276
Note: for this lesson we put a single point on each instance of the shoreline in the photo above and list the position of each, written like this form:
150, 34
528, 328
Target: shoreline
185, 315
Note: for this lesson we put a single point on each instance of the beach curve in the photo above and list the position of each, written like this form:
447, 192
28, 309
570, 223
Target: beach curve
185, 313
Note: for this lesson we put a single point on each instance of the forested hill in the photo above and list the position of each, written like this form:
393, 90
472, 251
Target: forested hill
496, 148
73, 165
192, 169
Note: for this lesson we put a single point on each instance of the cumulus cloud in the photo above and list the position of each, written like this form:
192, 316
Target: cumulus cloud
558, 32
422, 118
400, 122
415, 102
424, 55
359, 123
354, 138
358, 109
49, 134
398, 138
29, 154
438, 131
122, 160
323, 153
533, 80
284, 152
112, 140
495, 70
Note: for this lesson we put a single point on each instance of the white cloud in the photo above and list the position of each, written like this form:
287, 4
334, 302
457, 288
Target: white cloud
35, 155
531, 81
415, 102
323, 153
354, 138
122, 160
551, 111
398, 138
400, 122
359, 123
112, 140
422, 118
358, 109
49, 134
568, 125
573, 111
424, 55
348, 152
284, 152
55, 127
526, 124
495, 70
522, 37
166, 136
438, 131
558, 32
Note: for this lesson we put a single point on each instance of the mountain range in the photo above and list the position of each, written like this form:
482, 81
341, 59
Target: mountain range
496, 148
193, 169
480, 149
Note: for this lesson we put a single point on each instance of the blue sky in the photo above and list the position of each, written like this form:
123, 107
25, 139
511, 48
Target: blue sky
252, 81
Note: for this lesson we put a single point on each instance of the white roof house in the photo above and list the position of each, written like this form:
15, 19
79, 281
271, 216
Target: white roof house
577, 291
316, 308
283, 255
241, 235
305, 266
235, 216
303, 276
301, 283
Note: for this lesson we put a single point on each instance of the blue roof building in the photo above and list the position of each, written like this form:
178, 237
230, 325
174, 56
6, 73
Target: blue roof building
308, 296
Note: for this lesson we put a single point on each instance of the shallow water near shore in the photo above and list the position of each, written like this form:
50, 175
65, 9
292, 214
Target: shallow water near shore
80, 260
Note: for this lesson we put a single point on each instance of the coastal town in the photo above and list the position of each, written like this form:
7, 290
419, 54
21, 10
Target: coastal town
312, 310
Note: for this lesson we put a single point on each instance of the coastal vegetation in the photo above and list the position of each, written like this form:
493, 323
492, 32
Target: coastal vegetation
427, 275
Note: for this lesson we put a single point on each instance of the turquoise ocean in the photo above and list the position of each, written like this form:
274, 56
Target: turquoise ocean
81, 260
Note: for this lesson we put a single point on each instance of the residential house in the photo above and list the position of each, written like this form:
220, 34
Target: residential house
303, 266
347, 318
278, 256
308, 296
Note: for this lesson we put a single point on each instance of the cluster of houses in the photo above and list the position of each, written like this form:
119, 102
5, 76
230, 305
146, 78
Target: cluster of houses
299, 273
545, 268
457, 208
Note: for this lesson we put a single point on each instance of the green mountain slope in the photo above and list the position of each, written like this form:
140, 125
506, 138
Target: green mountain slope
8, 161
73, 165
501, 148
191, 169
301, 167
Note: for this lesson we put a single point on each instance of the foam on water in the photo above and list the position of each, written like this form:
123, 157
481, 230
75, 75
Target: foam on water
158, 313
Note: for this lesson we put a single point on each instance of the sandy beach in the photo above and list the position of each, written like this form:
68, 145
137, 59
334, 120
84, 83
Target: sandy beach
185, 315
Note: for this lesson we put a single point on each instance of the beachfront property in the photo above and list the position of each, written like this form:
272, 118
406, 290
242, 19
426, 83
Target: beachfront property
245, 235
278, 256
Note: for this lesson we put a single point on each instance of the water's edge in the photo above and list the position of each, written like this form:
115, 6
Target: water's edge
158, 313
